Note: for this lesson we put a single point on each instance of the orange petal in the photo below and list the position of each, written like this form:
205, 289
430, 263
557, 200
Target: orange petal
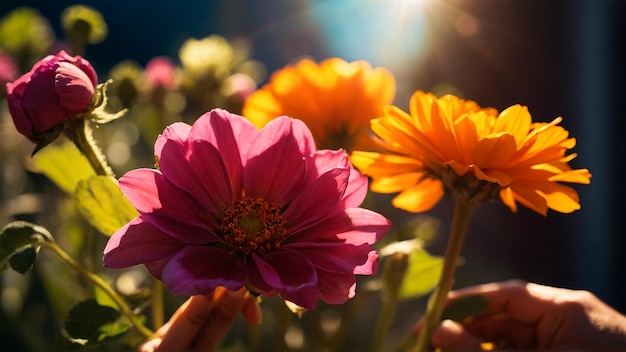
528, 196
581, 176
515, 120
493, 152
421, 197
508, 198
396, 183
494, 176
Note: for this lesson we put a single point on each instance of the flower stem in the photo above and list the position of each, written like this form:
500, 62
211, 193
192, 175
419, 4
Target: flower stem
145, 332
384, 322
462, 213
79, 132
156, 304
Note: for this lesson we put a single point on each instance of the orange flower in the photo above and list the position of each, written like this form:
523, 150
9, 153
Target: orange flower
336, 99
475, 153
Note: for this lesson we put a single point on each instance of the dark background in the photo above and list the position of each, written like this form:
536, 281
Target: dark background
560, 58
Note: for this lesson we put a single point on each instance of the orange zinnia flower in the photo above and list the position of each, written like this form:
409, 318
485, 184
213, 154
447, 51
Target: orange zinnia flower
335, 99
476, 153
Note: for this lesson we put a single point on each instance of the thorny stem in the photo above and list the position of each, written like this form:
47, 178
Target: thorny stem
145, 332
462, 213
79, 132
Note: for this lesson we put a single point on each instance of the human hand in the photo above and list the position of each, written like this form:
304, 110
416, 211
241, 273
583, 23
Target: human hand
529, 316
201, 321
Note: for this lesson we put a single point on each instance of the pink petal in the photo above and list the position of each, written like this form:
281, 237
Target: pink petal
198, 270
80, 62
333, 257
41, 102
336, 288
74, 88
305, 297
199, 171
275, 165
155, 267
357, 183
356, 191
370, 267
330, 159
367, 226
15, 93
353, 225
138, 242
231, 135
286, 269
175, 134
317, 200
267, 279
167, 207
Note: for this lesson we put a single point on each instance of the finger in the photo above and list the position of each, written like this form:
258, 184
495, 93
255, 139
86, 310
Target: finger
504, 333
150, 346
227, 305
252, 311
186, 322
519, 300
450, 335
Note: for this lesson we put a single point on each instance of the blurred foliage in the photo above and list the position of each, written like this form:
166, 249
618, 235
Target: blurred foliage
25, 35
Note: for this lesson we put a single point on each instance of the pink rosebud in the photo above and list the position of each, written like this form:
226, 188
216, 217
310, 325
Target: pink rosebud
56, 88
161, 72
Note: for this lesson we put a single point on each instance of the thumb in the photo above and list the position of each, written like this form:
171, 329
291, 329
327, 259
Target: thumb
450, 335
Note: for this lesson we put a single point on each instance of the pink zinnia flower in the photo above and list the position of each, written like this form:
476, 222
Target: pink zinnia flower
234, 206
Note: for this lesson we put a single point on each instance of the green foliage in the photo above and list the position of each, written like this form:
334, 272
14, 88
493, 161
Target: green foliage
81, 20
25, 34
89, 322
422, 274
64, 165
465, 307
15, 241
100, 200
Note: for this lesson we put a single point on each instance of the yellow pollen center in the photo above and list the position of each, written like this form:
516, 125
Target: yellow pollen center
253, 225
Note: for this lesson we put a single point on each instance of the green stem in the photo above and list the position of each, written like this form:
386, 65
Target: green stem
355, 305
156, 304
384, 322
147, 333
79, 132
462, 213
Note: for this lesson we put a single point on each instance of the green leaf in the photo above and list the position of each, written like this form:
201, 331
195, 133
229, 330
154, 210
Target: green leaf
101, 201
103, 298
17, 237
23, 261
89, 323
64, 165
465, 307
422, 274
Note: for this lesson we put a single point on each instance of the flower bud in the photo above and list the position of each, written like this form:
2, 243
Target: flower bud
56, 89
161, 73
8, 71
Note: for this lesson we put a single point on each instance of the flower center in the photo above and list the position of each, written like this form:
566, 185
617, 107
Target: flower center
253, 225
469, 187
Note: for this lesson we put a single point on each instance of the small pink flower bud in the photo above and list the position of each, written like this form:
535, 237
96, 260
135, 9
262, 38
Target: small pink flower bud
56, 89
161, 72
